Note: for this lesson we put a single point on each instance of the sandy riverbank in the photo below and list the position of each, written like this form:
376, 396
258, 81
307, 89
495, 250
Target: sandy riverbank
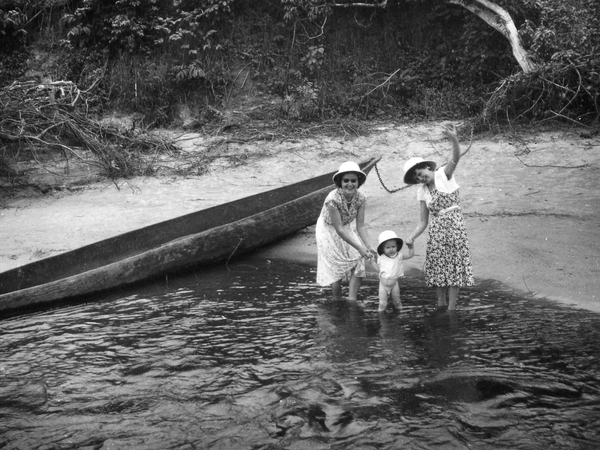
532, 202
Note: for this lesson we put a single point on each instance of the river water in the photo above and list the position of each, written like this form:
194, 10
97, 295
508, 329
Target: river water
255, 356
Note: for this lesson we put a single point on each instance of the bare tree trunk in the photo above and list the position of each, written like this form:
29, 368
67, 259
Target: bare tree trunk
499, 19
494, 15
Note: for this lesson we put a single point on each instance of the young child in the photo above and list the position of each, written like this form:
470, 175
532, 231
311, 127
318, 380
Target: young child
390, 268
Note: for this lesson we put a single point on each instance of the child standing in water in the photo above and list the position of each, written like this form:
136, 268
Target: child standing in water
391, 268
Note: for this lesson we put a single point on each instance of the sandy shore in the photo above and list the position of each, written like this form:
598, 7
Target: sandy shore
532, 202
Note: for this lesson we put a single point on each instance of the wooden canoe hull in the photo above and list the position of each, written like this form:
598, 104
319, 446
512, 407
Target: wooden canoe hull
222, 232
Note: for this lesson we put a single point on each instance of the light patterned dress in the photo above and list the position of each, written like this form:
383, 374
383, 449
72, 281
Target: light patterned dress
337, 258
448, 256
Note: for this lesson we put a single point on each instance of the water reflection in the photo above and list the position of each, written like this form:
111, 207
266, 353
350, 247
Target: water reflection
258, 357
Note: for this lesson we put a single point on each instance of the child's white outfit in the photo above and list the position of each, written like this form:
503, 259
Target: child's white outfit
390, 270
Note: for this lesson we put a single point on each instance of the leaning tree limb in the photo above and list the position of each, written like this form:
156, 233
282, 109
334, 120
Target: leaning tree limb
499, 19
493, 14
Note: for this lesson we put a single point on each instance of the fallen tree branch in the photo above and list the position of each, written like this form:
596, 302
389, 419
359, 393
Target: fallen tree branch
44, 115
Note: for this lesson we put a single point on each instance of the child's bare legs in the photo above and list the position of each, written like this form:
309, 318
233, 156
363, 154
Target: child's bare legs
383, 297
396, 297
389, 287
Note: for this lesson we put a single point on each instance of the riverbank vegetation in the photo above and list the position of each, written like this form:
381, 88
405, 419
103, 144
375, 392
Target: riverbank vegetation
215, 65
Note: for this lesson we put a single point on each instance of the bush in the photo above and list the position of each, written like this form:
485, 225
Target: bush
567, 88
142, 85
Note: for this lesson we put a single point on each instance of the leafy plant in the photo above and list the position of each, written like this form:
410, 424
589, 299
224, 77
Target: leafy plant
313, 59
322, 58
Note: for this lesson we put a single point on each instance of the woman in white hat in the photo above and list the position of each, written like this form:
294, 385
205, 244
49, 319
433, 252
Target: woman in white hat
448, 257
342, 239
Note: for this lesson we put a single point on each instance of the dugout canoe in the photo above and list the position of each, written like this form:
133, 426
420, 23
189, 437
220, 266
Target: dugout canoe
203, 237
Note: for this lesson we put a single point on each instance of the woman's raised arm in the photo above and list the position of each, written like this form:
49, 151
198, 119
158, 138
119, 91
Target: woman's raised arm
450, 132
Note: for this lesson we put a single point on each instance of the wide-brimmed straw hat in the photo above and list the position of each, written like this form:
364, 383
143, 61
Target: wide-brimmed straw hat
409, 168
386, 236
348, 167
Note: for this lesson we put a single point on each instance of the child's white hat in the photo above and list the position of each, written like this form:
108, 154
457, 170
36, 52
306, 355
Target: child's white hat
386, 236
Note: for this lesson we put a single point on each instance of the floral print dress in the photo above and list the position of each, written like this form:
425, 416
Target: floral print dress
448, 257
336, 258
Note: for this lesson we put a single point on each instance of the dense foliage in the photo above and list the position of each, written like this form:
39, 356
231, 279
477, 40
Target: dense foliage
413, 58
564, 38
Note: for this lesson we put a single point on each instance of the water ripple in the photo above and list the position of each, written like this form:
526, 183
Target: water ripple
256, 356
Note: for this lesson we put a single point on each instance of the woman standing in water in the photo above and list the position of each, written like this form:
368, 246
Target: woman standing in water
448, 257
342, 239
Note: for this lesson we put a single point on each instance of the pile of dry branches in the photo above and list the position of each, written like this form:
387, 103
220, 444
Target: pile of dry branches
566, 89
53, 116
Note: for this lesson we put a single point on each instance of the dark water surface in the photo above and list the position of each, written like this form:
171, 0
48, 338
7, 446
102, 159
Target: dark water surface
257, 357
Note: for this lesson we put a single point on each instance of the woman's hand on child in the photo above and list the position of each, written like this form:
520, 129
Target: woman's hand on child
365, 253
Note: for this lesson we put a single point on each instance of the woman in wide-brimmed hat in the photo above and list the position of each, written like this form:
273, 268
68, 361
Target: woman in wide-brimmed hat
342, 239
448, 257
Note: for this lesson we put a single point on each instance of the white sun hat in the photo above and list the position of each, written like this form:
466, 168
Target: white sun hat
347, 167
386, 236
410, 165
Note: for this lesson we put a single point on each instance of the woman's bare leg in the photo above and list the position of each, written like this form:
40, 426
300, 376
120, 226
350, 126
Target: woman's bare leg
453, 297
440, 292
355, 283
336, 290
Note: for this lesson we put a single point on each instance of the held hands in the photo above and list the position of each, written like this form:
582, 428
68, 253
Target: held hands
366, 253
